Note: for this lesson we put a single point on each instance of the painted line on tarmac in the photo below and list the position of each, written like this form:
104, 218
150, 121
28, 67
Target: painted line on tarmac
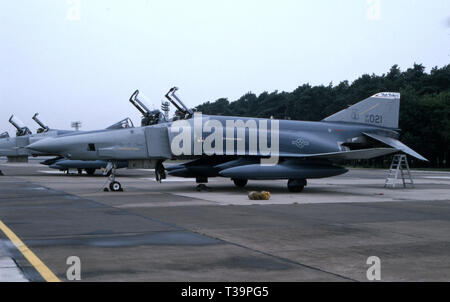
45, 272
431, 172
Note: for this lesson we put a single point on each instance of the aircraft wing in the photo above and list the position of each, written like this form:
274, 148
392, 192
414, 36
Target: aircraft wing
395, 144
355, 154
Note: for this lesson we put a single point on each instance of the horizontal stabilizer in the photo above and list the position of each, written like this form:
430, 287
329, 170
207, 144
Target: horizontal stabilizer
396, 144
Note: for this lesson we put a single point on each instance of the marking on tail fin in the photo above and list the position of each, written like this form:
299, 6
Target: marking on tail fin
371, 108
387, 95
381, 109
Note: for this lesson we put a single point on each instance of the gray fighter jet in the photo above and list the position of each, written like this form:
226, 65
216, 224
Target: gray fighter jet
243, 149
90, 166
62, 164
14, 147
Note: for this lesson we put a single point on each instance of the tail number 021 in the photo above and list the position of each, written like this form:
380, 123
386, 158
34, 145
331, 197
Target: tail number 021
374, 119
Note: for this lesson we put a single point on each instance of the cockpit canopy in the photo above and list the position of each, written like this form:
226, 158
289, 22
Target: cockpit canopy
4, 135
123, 124
43, 128
182, 111
150, 115
22, 129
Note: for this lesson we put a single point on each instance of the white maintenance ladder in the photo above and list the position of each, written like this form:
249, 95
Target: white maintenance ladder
399, 168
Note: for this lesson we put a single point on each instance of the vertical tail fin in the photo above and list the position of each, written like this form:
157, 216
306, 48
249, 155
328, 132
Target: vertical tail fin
381, 109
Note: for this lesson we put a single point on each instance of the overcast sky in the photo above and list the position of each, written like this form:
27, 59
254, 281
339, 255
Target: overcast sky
83, 64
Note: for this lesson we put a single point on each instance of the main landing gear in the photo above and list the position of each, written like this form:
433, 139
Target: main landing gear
201, 184
160, 171
240, 183
90, 171
296, 185
114, 186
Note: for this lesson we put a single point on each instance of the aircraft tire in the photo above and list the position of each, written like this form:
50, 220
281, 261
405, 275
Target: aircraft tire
115, 186
90, 171
296, 185
240, 183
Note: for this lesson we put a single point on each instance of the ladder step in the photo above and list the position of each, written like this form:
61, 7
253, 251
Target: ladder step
399, 170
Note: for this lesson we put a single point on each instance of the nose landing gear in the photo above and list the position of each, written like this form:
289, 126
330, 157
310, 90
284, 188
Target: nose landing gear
110, 170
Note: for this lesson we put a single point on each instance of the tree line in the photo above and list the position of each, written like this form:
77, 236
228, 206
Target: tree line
424, 106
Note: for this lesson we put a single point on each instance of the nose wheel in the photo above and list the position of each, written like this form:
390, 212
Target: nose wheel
115, 187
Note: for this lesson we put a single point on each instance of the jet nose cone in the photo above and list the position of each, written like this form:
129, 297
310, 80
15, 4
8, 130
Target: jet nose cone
47, 145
